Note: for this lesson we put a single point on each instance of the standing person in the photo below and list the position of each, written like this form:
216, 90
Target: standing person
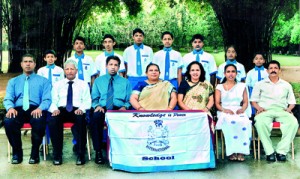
110, 92
169, 60
231, 101
273, 99
70, 100
108, 43
231, 59
207, 60
52, 72
137, 57
28, 96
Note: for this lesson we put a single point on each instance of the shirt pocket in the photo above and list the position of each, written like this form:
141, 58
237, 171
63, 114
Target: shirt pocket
86, 66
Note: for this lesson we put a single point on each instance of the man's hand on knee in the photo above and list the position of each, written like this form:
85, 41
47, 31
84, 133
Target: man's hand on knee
37, 113
11, 113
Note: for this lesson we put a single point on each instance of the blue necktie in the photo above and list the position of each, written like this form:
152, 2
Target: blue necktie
110, 95
80, 67
50, 67
258, 69
26, 94
138, 59
230, 62
69, 105
108, 54
198, 53
167, 63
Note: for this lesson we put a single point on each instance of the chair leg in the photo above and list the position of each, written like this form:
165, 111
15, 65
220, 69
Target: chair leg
217, 145
253, 142
88, 144
222, 139
293, 151
44, 146
258, 148
8, 151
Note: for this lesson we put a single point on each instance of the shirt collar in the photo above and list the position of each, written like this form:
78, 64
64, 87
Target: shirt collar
259, 68
269, 81
109, 54
138, 47
231, 62
108, 76
79, 56
198, 52
30, 76
50, 66
167, 49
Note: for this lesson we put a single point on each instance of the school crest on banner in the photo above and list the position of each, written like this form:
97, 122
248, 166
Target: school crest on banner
158, 137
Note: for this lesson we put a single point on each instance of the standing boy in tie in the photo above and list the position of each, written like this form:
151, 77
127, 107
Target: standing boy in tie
137, 57
110, 92
169, 61
207, 60
27, 99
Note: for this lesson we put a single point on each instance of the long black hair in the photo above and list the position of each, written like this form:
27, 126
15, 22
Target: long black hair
188, 68
225, 68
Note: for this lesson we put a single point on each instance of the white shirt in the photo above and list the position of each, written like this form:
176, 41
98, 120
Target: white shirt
81, 95
129, 57
175, 63
252, 76
241, 73
100, 63
207, 60
57, 73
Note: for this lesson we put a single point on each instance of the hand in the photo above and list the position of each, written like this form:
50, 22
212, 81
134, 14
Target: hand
228, 111
140, 108
169, 109
288, 110
122, 108
99, 108
37, 113
205, 110
78, 112
55, 113
11, 113
240, 111
260, 110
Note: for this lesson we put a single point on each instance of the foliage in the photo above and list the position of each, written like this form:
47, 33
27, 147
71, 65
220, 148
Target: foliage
296, 88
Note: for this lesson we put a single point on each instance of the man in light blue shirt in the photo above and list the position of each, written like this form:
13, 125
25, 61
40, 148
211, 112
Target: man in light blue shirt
28, 96
109, 92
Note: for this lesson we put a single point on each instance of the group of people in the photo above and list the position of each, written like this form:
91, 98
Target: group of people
84, 90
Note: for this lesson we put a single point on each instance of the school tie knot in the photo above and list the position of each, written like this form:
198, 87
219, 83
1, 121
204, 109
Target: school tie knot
167, 49
231, 62
107, 54
197, 52
259, 68
137, 47
50, 66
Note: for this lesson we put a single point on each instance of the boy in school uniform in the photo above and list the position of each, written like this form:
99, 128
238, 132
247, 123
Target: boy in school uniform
108, 43
169, 61
137, 57
52, 72
207, 60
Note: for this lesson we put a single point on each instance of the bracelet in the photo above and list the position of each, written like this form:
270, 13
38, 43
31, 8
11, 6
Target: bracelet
207, 108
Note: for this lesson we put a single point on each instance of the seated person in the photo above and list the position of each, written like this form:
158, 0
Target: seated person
70, 100
273, 99
153, 93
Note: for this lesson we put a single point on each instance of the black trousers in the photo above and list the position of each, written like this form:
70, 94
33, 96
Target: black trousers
13, 132
55, 124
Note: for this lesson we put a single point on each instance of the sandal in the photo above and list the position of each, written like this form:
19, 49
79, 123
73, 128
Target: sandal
240, 157
232, 157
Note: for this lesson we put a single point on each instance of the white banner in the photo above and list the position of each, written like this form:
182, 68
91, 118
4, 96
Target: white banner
159, 141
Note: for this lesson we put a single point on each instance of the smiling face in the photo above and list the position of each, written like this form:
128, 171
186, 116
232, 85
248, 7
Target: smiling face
50, 59
28, 65
167, 40
258, 60
230, 73
231, 53
197, 44
153, 73
195, 73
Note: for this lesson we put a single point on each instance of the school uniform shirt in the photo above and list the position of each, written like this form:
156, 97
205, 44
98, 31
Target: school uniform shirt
207, 60
241, 73
88, 65
129, 57
81, 95
100, 62
252, 76
159, 58
57, 73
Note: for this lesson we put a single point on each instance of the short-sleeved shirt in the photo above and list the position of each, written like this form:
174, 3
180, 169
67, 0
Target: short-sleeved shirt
100, 63
57, 73
207, 60
271, 95
129, 57
241, 73
252, 76
175, 63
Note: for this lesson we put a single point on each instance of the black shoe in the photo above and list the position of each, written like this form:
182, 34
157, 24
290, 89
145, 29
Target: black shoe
57, 161
80, 160
16, 159
281, 157
34, 160
271, 158
99, 158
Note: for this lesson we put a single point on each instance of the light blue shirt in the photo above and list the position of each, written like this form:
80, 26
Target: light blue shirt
122, 91
39, 92
241, 73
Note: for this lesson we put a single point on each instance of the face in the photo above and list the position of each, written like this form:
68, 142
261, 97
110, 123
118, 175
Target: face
153, 73
112, 67
273, 70
231, 53
258, 60
138, 38
79, 46
50, 59
108, 44
230, 73
197, 44
167, 40
195, 72
28, 65
70, 71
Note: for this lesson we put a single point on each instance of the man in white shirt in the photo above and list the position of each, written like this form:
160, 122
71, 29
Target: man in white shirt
70, 100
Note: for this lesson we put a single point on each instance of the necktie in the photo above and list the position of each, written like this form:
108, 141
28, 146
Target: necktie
258, 69
26, 95
138, 59
50, 67
198, 53
167, 63
230, 62
80, 67
110, 95
108, 54
69, 105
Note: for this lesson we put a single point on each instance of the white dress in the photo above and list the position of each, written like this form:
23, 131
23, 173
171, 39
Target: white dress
236, 128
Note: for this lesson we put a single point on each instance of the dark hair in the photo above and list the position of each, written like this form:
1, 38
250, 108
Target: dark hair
273, 62
260, 53
49, 52
28, 55
137, 30
225, 68
197, 36
80, 39
108, 36
152, 64
230, 46
165, 33
113, 58
188, 68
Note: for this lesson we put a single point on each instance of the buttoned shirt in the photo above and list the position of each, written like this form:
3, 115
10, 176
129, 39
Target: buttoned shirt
39, 92
57, 73
271, 95
252, 77
81, 95
100, 63
122, 91
241, 73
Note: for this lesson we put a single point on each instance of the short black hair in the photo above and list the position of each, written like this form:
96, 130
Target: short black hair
50, 52
113, 58
108, 36
197, 36
273, 62
188, 68
165, 33
80, 39
28, 55
138, 30
152, 64
260, 53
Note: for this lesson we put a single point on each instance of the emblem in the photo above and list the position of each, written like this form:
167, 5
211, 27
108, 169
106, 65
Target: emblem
158, 137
